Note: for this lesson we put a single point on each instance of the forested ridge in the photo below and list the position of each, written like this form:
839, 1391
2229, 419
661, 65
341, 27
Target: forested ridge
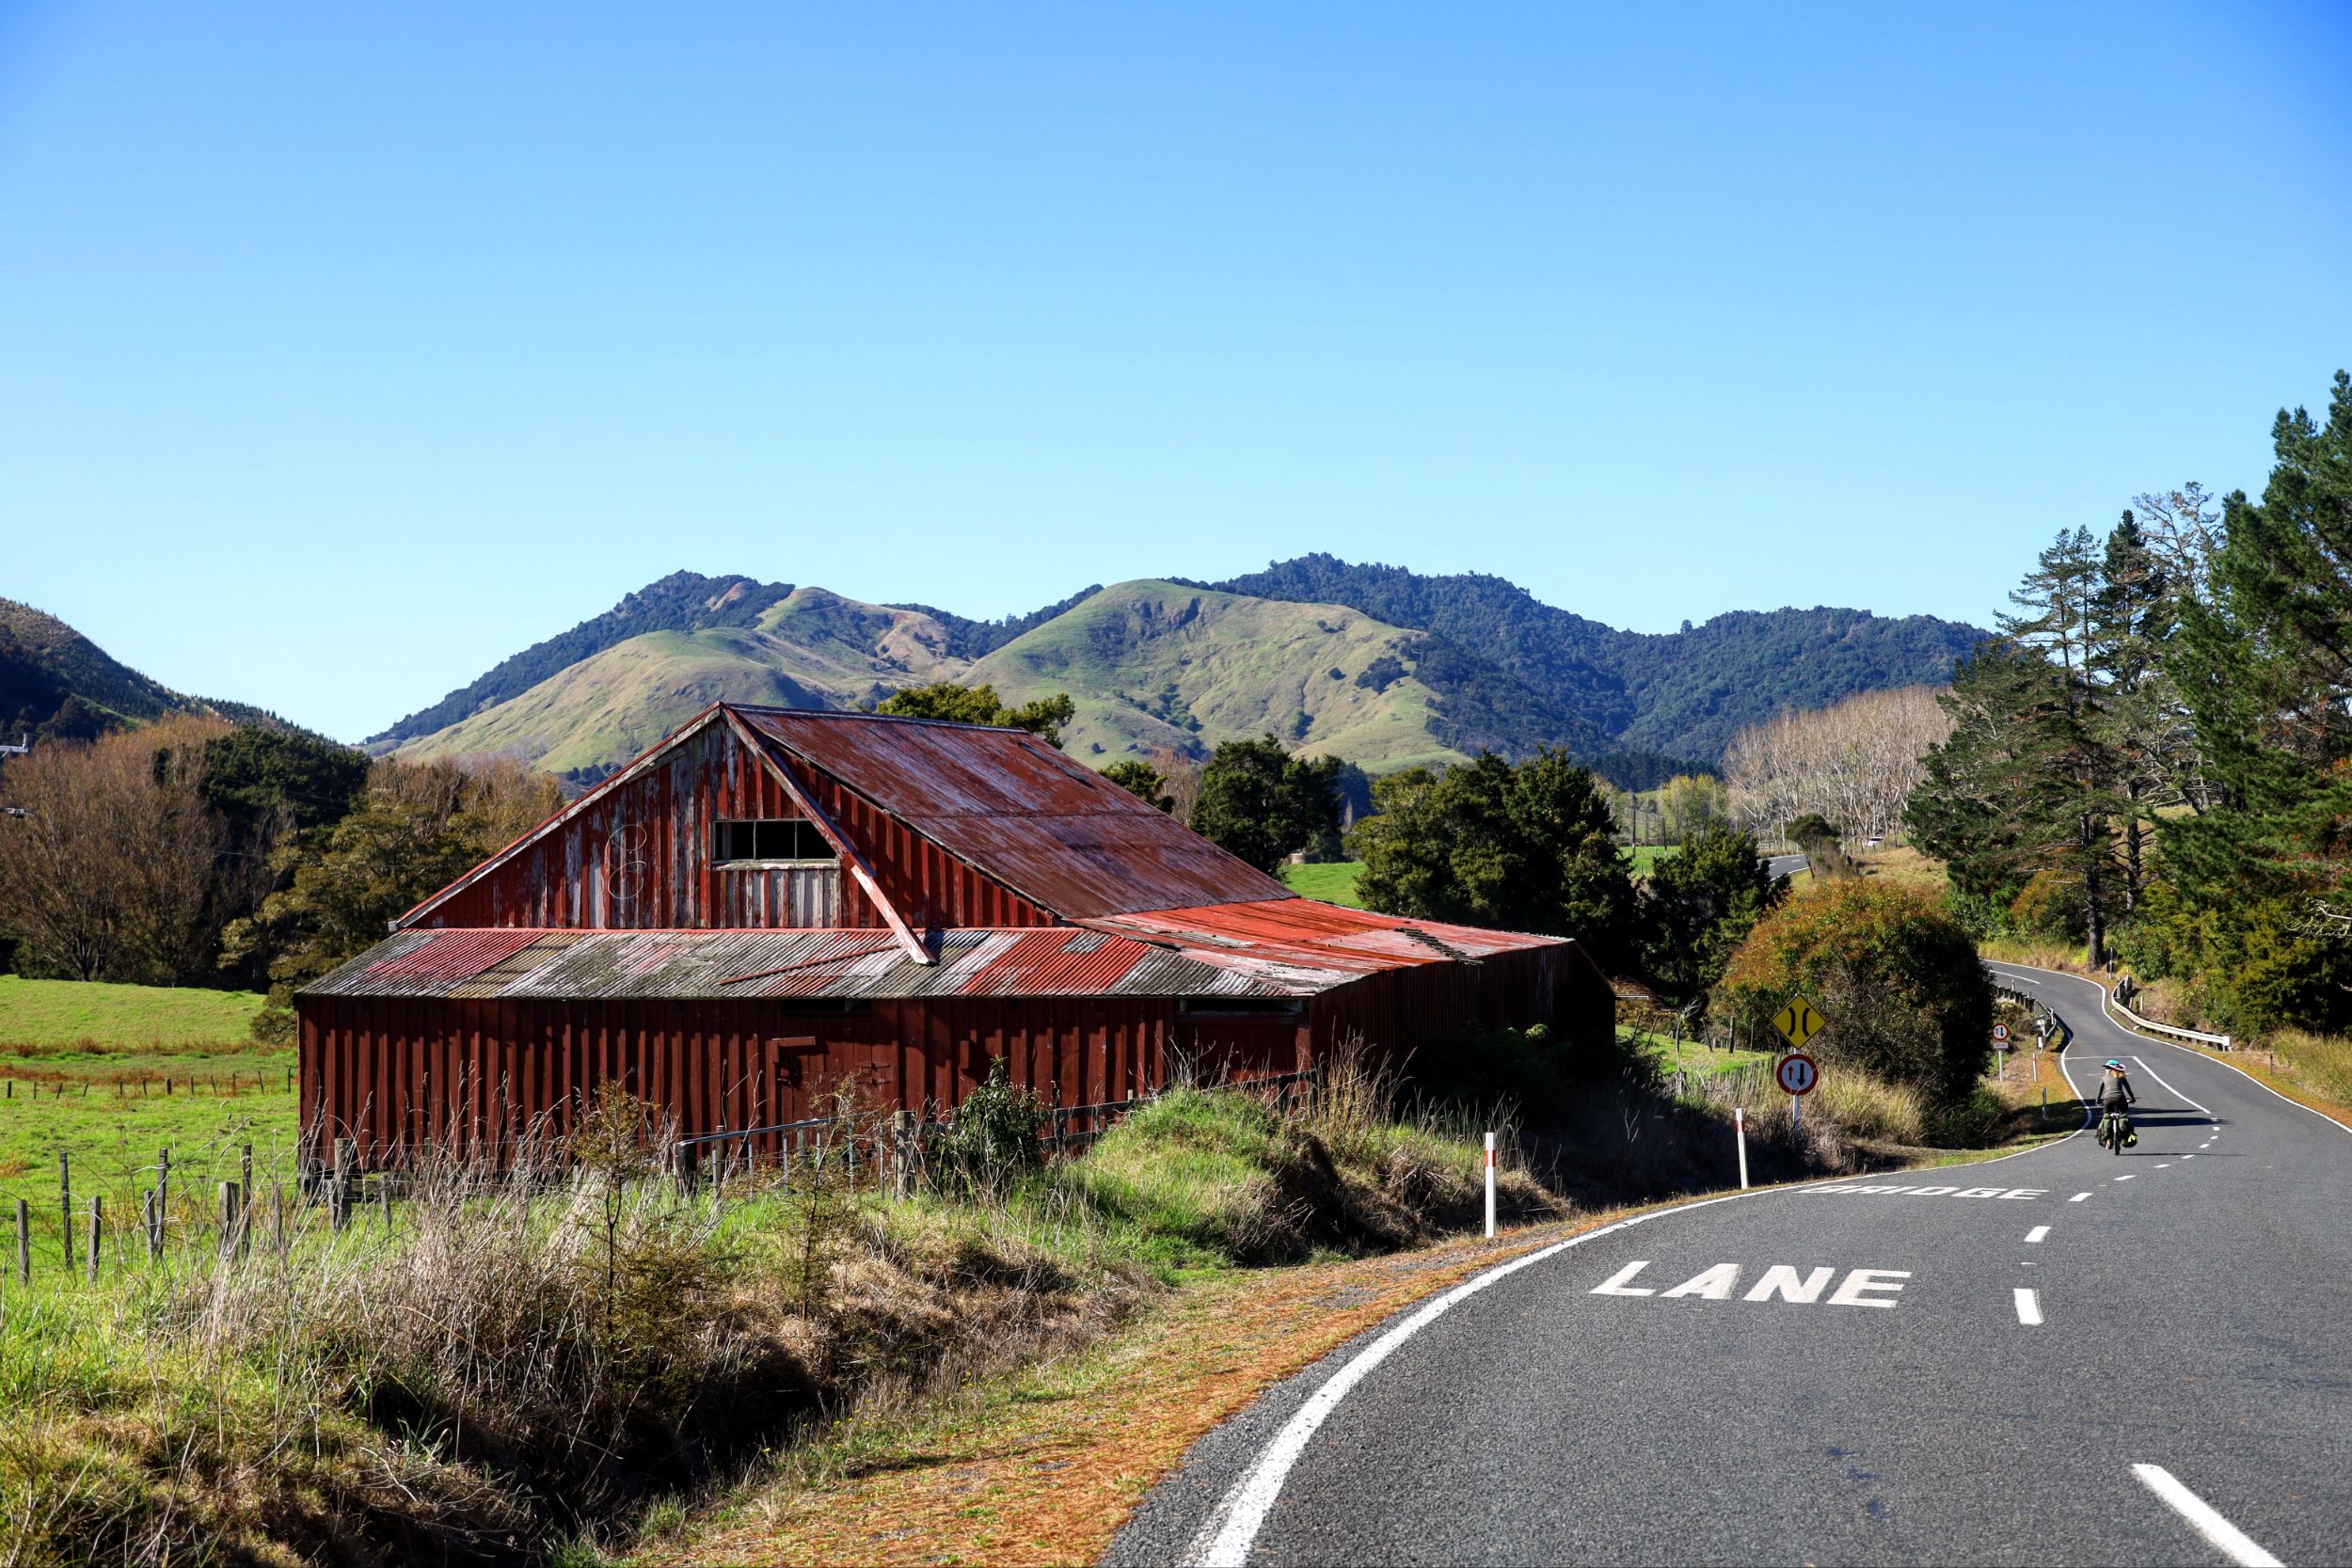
1678, 694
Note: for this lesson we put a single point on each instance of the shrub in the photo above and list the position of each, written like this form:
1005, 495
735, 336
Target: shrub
1896, 980
993, 1140
2051, 906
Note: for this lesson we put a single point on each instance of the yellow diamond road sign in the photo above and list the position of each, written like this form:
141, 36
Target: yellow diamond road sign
1797, 1022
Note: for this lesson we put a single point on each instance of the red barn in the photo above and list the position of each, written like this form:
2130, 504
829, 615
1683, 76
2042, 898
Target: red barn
772, 900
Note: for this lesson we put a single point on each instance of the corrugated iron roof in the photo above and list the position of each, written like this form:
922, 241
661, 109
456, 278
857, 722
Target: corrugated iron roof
1044, 824
1064, 960
1312, 936
1293, 947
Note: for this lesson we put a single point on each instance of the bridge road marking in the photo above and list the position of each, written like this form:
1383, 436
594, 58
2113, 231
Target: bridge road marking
2037, 1233
2232, 1541
2029, 1307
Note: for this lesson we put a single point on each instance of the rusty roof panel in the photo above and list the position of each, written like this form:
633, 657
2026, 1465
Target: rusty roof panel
1049, 827
1311, 937
837, 964
444, 956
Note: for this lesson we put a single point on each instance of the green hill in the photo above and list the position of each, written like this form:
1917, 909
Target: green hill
809, 648
58, 685
1155, 664
1375, 664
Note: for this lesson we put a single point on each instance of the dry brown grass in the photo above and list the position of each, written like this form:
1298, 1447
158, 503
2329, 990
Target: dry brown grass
1045, 1467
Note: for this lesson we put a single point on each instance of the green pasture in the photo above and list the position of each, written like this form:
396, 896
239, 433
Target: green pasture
1333, 883
62, 1012
110, 1074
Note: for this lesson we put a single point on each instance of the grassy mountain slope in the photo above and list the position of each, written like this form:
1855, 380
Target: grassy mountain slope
683, 601
55, 683
810, 649
1681, 693
1158, 664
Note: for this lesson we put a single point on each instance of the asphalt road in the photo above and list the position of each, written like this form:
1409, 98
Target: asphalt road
1785, 865
1987, 1354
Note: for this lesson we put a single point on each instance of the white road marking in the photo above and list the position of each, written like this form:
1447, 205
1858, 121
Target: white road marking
2040, 1231
1620, 1283
2186, 1052
2233, 1543
1849, 1291
2167, 1166
2029, 1307
2159, 1078
1232, 1527
2127, 1178
1783, 1280
1225, 1538
1714, 1284
2078, 1198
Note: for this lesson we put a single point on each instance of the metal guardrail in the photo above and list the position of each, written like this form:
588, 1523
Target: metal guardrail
2219, 1042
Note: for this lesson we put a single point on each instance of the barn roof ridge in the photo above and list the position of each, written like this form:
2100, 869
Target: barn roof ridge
980, 796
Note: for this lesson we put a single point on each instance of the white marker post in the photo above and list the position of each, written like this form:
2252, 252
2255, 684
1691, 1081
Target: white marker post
1490, 1185
1739, 1130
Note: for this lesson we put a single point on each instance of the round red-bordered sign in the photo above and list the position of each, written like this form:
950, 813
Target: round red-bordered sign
1797, 1074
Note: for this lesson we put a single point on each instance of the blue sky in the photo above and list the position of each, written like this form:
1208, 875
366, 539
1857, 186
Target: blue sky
349, 349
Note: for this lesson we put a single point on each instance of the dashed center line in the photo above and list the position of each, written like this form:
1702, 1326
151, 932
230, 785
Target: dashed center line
2167, 1166
2134, 1175
2029, 1307
2078, 1198
2037, 1233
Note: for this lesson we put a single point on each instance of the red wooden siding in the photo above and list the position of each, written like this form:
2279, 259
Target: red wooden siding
398, 1074
638, 856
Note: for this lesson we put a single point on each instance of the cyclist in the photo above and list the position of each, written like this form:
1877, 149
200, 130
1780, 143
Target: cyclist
2115, 1092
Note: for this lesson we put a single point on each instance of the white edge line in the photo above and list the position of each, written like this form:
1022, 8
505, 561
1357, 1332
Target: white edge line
2233, 1543
2170, 1046
2029, 1307
1224, 1539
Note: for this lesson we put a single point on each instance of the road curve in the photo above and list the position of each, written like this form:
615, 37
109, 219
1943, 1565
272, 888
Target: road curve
2058, 1355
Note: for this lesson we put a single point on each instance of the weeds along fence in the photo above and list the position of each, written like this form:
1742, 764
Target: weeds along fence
213, 1208
54, 1083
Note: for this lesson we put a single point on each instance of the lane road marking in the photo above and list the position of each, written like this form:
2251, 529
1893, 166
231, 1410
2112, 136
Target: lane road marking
2029, 1307
2127, 1178
2078, 1198
2233, 1543
2037, 1233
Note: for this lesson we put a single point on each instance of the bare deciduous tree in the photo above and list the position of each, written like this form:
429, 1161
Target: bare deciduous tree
1854, 762
116, 870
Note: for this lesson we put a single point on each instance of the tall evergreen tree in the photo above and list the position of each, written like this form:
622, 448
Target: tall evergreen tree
2265, 665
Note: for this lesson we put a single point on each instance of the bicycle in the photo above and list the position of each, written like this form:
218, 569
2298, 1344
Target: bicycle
2115, 1131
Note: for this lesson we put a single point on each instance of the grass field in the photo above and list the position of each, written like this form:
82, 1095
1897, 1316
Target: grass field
60, 1012
110, 1074
1334, 883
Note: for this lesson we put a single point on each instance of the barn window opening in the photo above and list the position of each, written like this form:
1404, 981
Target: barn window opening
771, 838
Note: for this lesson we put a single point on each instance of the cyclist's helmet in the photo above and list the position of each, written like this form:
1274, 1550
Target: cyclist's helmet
2116, 1065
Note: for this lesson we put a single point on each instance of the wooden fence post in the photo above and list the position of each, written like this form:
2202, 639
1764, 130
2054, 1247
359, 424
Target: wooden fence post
65, 1205
152, 1213
24, 1244
96, 1224
903, 1147
228, 1220
162, 1187
277, 1204
244, 1178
